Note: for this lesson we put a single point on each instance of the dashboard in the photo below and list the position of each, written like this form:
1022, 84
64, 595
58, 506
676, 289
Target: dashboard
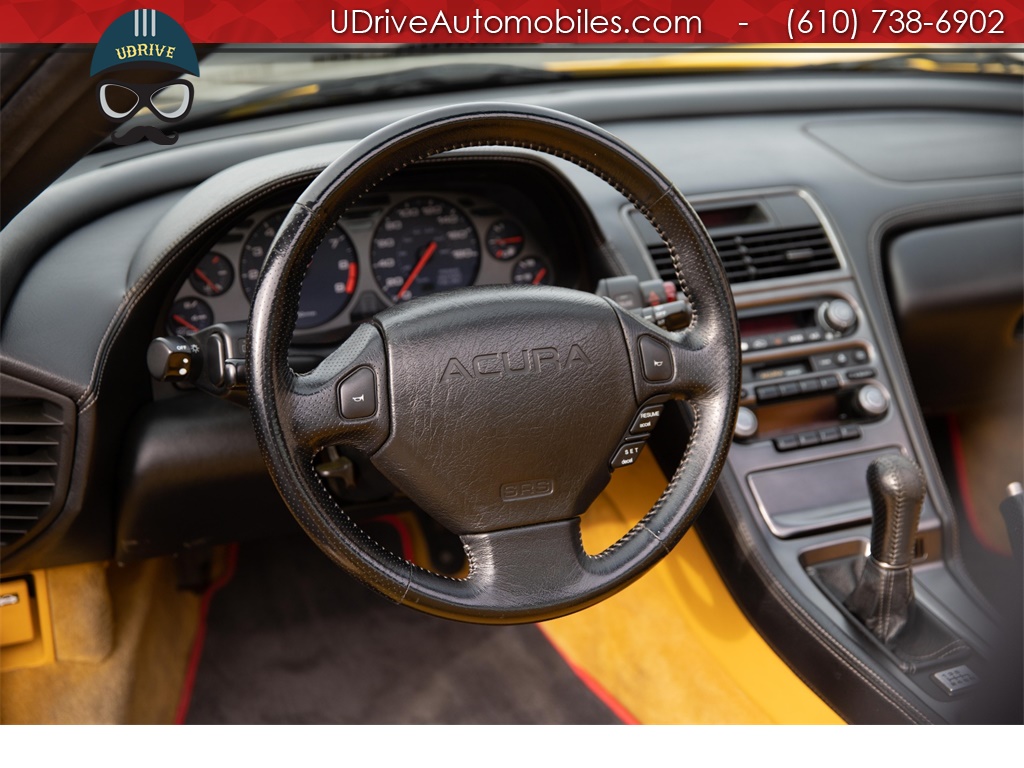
391, 248
803, 180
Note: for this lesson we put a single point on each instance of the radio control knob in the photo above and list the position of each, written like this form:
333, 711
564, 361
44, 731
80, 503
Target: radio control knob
838, 315
746, 423
872, 400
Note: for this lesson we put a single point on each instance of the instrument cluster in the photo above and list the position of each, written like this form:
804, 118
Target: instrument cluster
392, 248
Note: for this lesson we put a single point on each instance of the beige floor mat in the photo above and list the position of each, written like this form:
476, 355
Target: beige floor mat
122, 638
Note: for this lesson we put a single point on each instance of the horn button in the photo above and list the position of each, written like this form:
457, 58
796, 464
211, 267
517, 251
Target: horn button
506, 404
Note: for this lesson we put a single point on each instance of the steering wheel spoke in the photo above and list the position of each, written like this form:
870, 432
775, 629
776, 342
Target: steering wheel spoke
343, 399
495, 409
545, 562
685, 364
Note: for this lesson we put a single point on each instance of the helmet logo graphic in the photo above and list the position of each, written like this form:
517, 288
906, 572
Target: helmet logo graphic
137, 43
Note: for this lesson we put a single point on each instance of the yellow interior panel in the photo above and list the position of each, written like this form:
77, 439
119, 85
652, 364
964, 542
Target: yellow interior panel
38, 650
674, 647
16, 625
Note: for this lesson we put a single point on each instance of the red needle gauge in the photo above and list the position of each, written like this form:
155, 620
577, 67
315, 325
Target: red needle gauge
505, 239
540, 275
202, 276
213, 275
427, 253
182, 321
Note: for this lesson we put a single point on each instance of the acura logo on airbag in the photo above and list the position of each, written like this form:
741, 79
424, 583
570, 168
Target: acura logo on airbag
519, 363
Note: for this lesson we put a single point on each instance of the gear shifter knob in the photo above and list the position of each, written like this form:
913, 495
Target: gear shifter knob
897, 492
884, 593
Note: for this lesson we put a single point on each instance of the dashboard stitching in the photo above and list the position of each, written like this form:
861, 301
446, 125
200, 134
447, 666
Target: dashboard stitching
138, 289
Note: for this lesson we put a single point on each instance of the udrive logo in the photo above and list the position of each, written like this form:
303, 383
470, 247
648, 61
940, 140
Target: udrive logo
134, 48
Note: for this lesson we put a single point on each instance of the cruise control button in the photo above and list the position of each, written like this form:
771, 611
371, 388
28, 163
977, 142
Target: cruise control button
656, 359
357, 395
646, 419
787, 443
627, 454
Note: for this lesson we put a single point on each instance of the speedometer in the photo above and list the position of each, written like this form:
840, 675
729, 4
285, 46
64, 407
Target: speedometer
424, 245
330, 278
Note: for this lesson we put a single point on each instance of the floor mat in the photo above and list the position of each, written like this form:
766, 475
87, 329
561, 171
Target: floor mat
292, 639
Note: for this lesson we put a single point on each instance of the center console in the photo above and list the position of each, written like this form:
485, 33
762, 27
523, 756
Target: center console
791, 524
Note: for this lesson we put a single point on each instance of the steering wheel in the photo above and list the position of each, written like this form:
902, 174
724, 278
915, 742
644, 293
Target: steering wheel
497, 409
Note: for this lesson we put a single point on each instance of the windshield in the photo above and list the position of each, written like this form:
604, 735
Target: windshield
238, 82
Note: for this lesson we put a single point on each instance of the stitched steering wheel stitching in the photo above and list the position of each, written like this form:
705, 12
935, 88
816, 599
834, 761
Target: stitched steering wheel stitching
336, 518
676, 263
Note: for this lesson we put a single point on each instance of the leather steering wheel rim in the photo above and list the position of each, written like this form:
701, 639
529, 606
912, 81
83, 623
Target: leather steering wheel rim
533, 568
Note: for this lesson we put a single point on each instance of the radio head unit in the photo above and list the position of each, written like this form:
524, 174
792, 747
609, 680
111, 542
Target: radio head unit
801, 322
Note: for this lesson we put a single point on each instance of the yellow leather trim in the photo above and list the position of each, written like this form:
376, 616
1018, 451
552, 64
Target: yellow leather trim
674, 647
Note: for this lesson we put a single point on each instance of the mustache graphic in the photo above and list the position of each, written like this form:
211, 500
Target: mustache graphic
140, 132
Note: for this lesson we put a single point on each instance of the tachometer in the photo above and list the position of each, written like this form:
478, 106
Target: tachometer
330, 279
424, 245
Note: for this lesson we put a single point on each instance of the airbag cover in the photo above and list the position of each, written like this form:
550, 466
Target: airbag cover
506, 405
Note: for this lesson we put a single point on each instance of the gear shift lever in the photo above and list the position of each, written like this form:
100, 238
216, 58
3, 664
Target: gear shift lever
884, 593
879, 589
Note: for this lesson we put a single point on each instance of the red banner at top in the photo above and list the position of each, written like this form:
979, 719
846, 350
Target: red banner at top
979, 22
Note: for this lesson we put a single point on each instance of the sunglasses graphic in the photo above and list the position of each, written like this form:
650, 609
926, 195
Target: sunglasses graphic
170, 101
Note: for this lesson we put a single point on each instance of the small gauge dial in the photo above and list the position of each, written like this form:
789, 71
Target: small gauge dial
330, 278
212, 275
531, 271
424, 245
188, 316
505, 239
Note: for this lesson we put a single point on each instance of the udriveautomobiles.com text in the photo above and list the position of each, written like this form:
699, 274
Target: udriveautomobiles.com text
362, 22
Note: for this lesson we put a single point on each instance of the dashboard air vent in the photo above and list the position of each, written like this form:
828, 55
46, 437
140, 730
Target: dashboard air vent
763, 255
32, 432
